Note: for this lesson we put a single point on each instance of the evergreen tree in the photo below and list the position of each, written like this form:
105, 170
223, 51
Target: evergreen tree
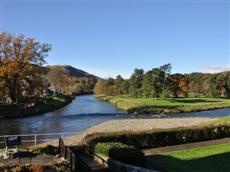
136, 82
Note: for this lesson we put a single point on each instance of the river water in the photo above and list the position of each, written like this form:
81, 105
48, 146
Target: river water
82, 113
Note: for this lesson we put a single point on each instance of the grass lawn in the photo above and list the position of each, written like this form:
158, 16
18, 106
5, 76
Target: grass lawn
167, 105
210, 159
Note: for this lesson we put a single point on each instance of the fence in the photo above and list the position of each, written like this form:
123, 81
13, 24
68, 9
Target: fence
35, 139
76, 163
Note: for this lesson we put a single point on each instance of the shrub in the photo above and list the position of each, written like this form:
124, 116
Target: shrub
104, 148
121, 152
49, 150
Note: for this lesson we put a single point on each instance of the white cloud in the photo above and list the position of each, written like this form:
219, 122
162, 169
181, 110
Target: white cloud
215, 68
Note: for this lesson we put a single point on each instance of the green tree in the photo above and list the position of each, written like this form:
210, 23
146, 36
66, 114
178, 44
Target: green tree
166, 69
136, 82
148, 85
125, 87
158, 81
118, 84
153, 83
227, 86
213, 89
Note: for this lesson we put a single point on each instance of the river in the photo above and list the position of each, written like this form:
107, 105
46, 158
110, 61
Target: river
83, 112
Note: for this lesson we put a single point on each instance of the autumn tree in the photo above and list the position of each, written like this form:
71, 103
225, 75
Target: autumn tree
178, 84
174, 87
101, 87
21, 61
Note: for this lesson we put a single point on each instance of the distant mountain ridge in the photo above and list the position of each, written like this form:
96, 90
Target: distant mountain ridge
71, 71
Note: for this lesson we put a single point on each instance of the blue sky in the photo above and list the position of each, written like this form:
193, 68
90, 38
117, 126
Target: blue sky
113, 37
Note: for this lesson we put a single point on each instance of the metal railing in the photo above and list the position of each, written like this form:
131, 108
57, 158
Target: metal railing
35, 139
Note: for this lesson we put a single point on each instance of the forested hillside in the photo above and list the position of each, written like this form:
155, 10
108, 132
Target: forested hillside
69, 80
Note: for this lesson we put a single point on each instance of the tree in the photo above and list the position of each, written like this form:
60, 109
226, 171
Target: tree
125, 87
197, 83
178, 84
153, 83
223, 84
148, 85
101, 87
183, 84
118, 84
166, 69
158, 81
227, 86
174, 84
21, 61
136, 82
213, 90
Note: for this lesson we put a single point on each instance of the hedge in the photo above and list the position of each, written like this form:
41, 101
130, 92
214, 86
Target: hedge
121, 152
160, 138
104, 148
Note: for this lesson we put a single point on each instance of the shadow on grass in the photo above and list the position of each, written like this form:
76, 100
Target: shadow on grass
194, 101
214, 163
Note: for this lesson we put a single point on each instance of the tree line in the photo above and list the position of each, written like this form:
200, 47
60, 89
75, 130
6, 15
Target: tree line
160, 82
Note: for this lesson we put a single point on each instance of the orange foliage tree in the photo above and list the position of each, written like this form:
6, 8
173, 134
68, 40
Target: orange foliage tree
21, 61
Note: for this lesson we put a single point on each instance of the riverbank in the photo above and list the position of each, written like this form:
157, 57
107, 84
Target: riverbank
167, 105
133, 125
139, 125
45, 105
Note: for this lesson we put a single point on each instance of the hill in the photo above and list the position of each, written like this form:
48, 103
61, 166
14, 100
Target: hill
70, 80
70, 71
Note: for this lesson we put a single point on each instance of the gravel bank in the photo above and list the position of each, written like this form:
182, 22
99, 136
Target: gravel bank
136, 125
131, 125
145, 124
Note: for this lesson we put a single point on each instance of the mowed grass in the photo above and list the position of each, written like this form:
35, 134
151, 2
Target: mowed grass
211, 159
167, 105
